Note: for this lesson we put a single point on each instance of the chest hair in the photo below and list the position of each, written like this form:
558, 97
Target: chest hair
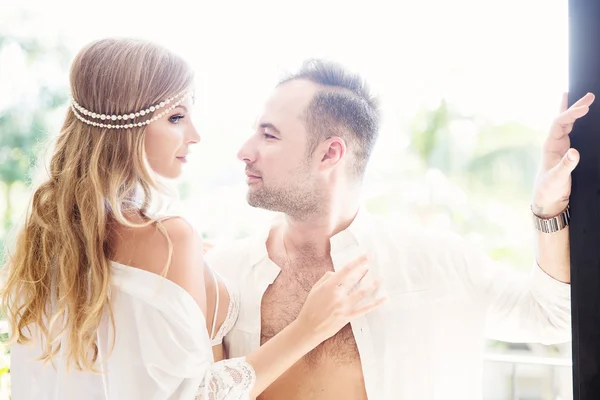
284, 299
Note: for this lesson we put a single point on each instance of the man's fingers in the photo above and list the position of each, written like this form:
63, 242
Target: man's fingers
563, 124
567, 164
564, 103
586, 100
572, 114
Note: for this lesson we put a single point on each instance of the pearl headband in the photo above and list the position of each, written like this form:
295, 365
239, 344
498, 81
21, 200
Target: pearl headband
171, 102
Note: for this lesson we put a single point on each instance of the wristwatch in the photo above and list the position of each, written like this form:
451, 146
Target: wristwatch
554, 224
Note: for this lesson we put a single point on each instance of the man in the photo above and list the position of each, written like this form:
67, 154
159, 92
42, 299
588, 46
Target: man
306, 161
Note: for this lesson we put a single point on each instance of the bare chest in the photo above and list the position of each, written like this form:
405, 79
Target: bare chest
283, 301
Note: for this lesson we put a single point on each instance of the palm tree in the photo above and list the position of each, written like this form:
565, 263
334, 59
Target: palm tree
495, 157
23, 121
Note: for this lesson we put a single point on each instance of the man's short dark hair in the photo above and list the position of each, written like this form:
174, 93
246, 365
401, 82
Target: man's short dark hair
344, 107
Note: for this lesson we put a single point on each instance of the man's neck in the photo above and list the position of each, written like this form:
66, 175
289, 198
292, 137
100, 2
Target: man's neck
313, 233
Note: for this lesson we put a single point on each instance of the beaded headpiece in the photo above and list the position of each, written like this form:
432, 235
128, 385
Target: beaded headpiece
104, 120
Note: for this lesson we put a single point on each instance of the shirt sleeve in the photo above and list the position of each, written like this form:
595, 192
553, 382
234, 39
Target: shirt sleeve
519, 307
227, 380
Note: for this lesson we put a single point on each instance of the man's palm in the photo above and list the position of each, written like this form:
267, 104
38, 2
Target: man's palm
553, 186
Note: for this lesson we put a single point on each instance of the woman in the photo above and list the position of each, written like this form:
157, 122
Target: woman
107, 300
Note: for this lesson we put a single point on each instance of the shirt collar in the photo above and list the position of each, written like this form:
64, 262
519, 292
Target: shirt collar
351, 236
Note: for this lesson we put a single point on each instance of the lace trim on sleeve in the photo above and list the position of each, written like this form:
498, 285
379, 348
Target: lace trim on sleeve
227, 380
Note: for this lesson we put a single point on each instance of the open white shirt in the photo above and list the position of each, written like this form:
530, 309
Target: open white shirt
445, 298
161, 351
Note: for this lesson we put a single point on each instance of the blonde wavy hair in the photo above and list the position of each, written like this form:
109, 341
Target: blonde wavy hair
59, 271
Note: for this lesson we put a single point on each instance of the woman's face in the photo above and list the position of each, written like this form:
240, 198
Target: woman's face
168, 140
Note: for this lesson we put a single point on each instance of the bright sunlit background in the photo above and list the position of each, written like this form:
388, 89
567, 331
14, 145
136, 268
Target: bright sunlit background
468, 88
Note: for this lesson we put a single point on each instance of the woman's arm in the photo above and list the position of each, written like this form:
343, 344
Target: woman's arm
332, 303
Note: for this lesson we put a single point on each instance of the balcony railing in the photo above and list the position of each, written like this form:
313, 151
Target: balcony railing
515, 359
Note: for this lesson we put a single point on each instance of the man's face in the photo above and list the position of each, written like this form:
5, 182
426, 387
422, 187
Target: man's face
282, 176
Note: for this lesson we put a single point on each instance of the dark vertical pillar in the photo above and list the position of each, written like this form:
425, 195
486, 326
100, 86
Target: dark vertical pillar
584, 76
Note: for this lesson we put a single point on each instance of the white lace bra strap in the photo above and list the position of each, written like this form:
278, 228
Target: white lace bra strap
214, 324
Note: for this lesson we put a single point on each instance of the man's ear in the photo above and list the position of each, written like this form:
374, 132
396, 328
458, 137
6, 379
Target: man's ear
332, 151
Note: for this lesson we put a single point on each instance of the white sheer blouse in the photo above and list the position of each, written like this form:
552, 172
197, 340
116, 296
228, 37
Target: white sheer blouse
162, 350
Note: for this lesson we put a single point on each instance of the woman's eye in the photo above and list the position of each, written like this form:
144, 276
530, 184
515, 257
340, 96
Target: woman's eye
176, 118
267, 136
